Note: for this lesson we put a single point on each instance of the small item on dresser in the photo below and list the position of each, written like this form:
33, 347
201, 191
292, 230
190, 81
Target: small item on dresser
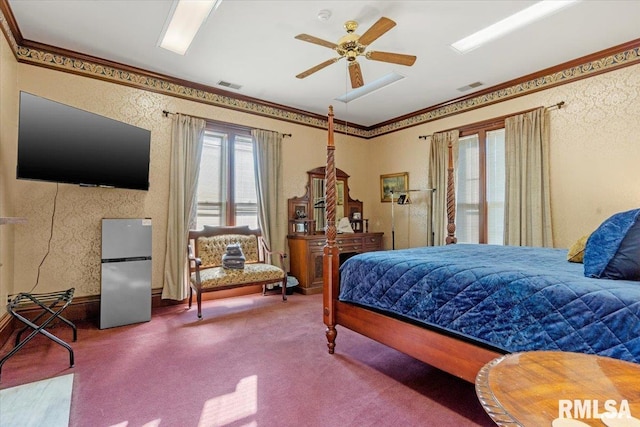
344, 226
233, 258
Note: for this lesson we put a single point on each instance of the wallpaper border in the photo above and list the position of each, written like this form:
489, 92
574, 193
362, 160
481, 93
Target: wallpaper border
61, 60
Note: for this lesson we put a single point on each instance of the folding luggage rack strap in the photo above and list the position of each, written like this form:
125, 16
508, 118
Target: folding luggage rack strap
52, 305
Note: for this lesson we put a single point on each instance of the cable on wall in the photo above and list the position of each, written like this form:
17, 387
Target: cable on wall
53, 214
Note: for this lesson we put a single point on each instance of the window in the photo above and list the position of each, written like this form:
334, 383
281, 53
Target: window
480, 184
226, 183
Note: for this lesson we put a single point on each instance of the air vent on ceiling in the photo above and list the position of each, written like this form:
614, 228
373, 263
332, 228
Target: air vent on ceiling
470, 86
229, 85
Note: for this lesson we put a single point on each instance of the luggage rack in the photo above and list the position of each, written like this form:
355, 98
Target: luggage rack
52, 304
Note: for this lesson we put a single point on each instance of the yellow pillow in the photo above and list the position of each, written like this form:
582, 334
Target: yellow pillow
576, 251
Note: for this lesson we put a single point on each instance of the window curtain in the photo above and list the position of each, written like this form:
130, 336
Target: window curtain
186, 150
438, 170
527, 197
270, 191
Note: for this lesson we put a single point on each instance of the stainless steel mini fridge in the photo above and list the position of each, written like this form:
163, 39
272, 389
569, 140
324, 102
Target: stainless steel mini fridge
125, 295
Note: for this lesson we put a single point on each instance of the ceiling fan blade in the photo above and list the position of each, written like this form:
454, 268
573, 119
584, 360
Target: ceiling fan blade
396, 58
379, 28
317, 68
355, 73
315, 40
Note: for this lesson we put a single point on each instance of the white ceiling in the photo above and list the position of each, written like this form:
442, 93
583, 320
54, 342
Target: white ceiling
251, 43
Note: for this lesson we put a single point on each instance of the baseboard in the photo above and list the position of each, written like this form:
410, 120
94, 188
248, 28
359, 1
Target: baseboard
6, 328
87, 308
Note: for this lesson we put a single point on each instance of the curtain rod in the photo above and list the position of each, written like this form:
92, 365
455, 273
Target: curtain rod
559, 105
166, 114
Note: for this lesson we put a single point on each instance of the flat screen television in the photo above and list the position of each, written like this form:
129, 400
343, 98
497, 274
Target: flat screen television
64, 144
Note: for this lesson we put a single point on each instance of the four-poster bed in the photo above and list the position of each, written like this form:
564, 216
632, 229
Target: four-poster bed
456, 356
457, 307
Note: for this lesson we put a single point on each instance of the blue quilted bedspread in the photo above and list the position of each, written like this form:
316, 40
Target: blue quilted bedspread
512, 298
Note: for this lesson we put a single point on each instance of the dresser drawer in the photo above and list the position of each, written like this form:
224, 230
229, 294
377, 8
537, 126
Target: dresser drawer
348, 240
317, 245
373, 242
350, 248
349, 244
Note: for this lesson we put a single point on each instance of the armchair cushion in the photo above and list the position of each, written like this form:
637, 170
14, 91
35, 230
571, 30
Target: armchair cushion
251, 273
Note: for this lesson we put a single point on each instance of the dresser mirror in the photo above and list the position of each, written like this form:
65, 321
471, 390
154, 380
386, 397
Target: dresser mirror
318, 197
307, 213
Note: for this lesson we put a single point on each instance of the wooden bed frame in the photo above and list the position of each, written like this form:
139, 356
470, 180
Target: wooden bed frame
448, 353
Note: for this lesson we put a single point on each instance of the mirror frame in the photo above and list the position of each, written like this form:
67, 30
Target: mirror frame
306, 202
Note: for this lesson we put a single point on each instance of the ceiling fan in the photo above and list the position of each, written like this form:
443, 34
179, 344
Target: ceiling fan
353, 45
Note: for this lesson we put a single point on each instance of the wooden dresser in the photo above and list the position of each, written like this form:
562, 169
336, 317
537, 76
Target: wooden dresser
305, 255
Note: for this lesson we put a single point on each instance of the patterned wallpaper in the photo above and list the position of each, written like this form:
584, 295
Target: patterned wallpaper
595, 147
74, 257
146, 81
7, 86
593, 169
594, 173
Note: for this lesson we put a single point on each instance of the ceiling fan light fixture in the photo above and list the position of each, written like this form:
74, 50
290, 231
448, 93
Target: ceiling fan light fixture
375, 85
185, 19
517, 20
352, 45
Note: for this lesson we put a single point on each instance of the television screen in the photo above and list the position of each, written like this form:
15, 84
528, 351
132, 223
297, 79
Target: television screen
60, 143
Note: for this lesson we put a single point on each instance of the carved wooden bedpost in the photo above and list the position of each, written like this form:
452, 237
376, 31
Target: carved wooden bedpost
330, 255
451, 200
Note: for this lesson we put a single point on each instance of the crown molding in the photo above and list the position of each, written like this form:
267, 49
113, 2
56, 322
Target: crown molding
38, 54
587, 66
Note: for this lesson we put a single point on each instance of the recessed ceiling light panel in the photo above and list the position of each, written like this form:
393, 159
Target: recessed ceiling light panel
186, 18
513, 22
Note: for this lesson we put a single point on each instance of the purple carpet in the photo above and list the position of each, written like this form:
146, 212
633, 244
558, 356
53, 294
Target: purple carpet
251, 361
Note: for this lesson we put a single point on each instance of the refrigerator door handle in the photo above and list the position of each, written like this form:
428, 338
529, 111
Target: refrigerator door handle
136, 258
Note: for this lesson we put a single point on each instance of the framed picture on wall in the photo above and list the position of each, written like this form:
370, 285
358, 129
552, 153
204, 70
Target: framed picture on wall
396, 182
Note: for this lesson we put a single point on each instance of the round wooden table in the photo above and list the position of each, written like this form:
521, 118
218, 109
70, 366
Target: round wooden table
552, 388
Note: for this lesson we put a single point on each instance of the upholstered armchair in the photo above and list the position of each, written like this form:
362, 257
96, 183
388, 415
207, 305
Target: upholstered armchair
206, 272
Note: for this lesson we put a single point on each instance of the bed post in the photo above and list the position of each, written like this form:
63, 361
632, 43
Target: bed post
330, 256
451, 200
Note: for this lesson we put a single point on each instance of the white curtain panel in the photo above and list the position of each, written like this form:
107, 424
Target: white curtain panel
527, 197
272, 215
438, 169
186, 150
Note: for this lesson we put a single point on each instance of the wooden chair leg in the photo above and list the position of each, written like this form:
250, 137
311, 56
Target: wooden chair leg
284, 288
190, 295
199, 300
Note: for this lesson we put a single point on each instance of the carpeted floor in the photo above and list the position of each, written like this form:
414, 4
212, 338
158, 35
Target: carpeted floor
251, 361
